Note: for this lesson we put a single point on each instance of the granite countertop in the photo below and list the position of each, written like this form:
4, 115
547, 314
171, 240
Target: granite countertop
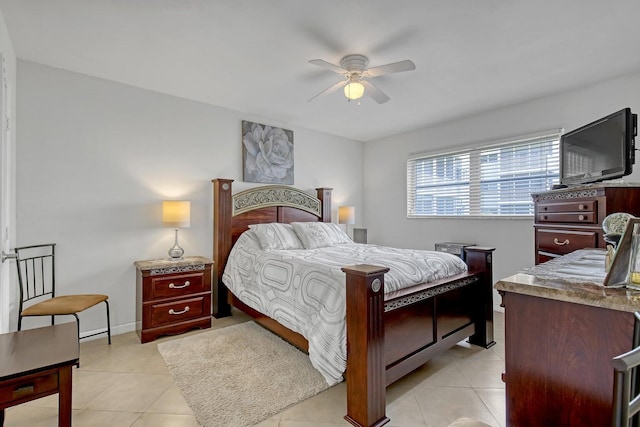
166, 263
576, 277
622, 299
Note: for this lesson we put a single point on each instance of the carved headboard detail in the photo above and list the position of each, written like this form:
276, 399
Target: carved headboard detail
275, 195
233, 213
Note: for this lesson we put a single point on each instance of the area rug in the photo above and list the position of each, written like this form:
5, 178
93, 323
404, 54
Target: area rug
240, 375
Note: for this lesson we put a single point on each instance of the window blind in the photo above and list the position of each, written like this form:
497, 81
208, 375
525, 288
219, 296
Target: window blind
495, 179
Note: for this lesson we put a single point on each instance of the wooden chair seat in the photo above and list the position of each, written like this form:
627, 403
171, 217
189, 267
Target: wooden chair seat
66, 304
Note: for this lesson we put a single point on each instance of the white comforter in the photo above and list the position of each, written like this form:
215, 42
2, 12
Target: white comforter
304, 290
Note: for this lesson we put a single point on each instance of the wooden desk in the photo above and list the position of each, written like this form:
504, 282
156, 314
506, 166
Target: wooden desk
560, 338
36, 363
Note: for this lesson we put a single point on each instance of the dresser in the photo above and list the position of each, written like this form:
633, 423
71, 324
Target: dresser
560, 337
172, 297
571, 218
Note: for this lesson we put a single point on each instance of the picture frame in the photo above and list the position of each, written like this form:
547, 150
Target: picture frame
619, 270
267, 154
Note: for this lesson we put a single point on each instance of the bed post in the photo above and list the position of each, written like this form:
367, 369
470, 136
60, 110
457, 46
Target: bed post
222, 209
479, 260
324, 194
366, 382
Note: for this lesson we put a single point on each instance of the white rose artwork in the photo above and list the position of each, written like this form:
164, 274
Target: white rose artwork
267, 153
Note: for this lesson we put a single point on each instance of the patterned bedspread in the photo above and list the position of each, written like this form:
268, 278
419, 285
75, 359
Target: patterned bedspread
304, 289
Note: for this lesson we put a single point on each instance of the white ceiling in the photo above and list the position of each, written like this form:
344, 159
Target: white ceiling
251, 55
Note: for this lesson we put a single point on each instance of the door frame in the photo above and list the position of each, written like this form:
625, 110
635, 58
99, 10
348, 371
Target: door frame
5, 197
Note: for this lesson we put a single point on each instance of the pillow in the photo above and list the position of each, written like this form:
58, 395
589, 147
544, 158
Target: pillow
320, 234
276, 236
248, 240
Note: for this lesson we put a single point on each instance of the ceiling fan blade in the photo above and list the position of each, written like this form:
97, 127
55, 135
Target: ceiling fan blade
394, 67
328, 66
372, 90
330, 89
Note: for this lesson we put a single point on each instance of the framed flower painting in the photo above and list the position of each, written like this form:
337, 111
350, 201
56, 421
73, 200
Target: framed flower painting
267, 154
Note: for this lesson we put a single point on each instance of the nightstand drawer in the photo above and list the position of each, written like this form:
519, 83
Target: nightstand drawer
24, 388
175, 285
178, 311
563, 242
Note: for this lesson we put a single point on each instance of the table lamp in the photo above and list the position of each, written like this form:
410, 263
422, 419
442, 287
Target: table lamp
346, 215
176, 214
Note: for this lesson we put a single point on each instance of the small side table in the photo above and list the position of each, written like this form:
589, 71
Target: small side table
360, 235
172, 296
455, 248
37, 363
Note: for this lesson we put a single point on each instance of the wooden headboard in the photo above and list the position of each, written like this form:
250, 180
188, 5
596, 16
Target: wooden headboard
233, 213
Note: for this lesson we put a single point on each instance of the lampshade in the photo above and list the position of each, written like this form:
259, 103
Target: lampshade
176, 213
354, 90
346, 215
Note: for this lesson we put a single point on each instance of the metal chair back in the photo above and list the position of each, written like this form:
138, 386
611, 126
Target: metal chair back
626, 383
36, 275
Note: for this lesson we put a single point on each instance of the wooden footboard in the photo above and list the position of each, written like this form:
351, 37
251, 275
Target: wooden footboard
388, 338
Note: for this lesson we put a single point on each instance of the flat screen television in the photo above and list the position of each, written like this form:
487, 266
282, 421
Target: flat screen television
602, 150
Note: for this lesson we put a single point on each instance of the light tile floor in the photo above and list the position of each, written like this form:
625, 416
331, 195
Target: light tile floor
128, 384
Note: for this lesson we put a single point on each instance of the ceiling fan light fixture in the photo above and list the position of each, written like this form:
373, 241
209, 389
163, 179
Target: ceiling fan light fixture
354, 90
355, 69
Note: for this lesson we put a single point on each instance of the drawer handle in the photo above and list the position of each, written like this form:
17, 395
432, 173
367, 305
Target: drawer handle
566, 242
581, 207
25, 390
174, 286
581, 217
172, 311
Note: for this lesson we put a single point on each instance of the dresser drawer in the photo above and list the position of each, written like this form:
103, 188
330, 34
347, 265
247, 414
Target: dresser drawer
562, 242
569, 217
29, 387
176, 285
584, 206
178, 311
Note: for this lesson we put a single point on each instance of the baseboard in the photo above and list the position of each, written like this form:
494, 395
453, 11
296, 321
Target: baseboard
115, 330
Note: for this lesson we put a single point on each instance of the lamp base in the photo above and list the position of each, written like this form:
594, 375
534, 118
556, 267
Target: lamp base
176, 252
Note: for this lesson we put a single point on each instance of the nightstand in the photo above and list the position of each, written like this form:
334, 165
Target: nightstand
172, 297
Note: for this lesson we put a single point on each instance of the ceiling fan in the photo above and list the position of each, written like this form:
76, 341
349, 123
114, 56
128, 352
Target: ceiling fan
355, 72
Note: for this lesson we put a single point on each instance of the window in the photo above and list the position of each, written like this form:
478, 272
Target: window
492, 180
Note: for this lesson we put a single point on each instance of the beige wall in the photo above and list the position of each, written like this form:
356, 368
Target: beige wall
385, 170
96, 158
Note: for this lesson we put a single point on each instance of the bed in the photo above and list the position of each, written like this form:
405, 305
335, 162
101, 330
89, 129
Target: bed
388, 334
